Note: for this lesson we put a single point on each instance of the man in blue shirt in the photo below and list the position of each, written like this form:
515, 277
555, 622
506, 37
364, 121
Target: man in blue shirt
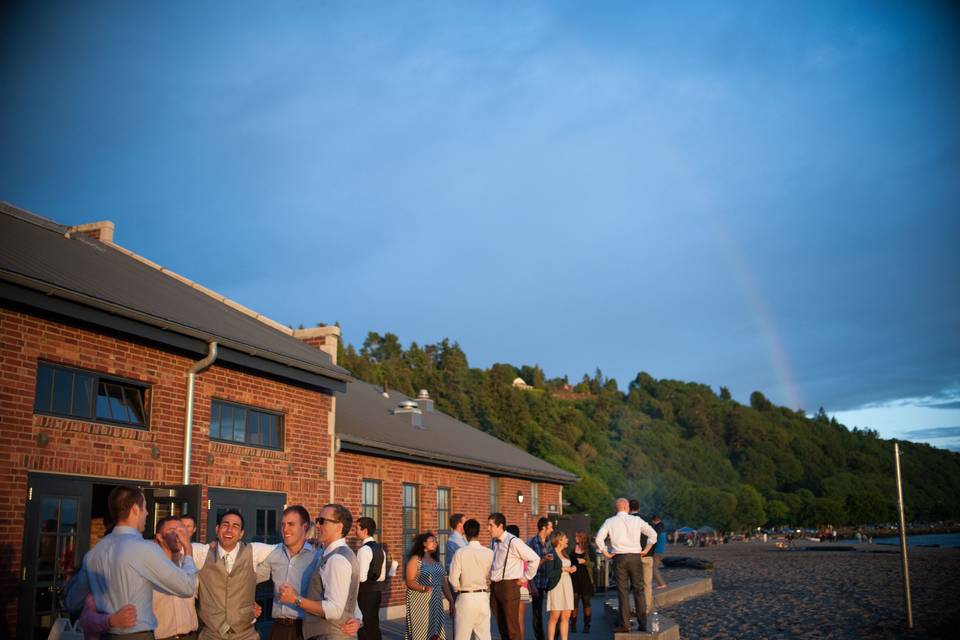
125, 569
293, 563
540, 544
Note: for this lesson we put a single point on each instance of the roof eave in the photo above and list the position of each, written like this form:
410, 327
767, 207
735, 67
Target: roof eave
358, 444
33, 293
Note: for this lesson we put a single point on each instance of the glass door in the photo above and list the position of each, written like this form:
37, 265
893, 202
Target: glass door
56, 535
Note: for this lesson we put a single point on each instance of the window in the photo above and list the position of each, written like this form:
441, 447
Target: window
443, 522
64, 391
534, 498
411, 515
253, 427
370, 501
494, 495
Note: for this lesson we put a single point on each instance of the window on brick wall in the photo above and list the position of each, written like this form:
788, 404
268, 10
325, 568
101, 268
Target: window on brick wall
494, 495
411, 515
443, 522
370, 502
86, 395
253, 427
534, 498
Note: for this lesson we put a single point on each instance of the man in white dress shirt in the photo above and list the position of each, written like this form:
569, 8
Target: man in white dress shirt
469, 574
624, 531
331, 601
509, 554
373, 575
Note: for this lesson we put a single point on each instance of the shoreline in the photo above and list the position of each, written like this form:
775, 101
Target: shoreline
853, 591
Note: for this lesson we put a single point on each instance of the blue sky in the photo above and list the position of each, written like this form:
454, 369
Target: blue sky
761, 195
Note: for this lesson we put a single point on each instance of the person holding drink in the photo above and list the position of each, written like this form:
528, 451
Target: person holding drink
426, 587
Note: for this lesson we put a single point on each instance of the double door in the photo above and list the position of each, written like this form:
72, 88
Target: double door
65, 517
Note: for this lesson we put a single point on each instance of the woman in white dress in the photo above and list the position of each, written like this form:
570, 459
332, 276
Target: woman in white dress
560, 598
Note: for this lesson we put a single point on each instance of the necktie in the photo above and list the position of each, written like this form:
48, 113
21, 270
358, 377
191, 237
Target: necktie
228, 561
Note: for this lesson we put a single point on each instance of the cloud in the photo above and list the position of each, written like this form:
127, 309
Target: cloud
935, 433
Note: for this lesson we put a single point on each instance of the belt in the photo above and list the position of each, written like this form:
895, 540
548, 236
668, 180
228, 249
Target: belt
474, 591
287, 622
139, 635
179, 636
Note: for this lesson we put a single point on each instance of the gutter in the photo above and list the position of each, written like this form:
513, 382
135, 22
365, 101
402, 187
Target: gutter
188, 427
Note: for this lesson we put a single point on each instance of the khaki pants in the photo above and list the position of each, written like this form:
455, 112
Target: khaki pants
473, 616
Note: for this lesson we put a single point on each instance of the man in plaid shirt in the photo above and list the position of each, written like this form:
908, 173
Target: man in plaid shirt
540, 544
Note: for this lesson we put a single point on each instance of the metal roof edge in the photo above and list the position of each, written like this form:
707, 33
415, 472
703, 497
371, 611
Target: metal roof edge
359, 444
86, 309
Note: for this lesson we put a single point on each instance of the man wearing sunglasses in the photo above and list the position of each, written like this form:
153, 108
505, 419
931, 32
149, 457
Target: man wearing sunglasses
332, 595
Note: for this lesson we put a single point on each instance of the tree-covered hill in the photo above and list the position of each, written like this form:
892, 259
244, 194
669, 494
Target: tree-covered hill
684, 451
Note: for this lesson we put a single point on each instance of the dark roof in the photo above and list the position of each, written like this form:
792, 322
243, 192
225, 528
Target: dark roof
41, 263
365, 424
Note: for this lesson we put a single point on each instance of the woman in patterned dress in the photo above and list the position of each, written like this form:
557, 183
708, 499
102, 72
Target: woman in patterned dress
426, 588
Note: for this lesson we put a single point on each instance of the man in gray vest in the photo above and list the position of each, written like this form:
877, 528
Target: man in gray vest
332, 597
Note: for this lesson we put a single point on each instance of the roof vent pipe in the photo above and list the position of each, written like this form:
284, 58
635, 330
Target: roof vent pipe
188, 426
425, 401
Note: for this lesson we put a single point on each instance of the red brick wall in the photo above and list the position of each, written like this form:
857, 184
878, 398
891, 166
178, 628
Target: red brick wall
155, 455
470, 494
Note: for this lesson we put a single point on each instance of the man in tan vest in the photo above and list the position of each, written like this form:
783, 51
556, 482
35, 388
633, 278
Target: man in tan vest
332, 597
228, 581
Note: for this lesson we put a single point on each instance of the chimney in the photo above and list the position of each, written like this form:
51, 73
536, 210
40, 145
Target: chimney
425, 401
323, 338
409, 407
102, 231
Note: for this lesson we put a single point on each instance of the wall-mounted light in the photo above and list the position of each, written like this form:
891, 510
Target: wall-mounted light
520, 497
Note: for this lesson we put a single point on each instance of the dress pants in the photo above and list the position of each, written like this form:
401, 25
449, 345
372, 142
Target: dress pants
537, 602
369, 604
473, 616
286, 629
505, 606
629, 569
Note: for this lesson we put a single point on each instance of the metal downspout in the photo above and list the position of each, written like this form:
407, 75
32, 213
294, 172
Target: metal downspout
188, 427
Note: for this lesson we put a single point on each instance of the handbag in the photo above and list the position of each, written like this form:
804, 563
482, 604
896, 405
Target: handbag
63, 629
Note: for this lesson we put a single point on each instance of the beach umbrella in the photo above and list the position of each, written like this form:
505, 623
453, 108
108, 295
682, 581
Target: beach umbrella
686, 530
706, 529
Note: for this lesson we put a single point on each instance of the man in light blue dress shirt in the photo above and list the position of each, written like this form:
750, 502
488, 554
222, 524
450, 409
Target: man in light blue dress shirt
125, 569
456, 539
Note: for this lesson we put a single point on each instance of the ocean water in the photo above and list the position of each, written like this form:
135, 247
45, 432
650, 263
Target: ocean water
942, 539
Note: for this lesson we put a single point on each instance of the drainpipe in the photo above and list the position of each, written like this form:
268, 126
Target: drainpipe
188, 427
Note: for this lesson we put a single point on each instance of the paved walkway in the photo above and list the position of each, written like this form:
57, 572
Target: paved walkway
599, 629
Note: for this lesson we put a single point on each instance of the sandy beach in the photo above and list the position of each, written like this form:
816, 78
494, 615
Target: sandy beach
763, 592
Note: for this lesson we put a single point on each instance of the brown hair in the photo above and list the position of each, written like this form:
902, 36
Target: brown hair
122, 498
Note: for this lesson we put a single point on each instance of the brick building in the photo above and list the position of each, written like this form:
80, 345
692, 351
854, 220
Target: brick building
116, 370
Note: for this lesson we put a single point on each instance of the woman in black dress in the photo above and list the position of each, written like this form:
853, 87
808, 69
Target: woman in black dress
583, 558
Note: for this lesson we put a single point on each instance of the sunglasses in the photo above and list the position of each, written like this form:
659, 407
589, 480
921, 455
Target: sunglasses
322, 520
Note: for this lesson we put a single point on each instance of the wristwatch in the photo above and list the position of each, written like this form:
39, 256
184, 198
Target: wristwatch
297, 602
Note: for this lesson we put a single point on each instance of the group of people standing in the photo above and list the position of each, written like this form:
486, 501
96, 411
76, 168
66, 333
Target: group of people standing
173, 589
503, 579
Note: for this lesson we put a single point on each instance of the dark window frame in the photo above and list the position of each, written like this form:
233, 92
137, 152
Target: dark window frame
216, 410
414, 509
443, 522
495, 490
376, 508
144, 391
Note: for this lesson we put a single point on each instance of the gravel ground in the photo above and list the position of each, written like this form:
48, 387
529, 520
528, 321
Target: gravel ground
763, 592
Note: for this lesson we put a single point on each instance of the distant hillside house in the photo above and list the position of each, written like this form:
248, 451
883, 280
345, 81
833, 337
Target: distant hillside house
98, 345
518, 383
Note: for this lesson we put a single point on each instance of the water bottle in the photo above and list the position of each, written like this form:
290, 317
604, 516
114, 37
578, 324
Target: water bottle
655, 622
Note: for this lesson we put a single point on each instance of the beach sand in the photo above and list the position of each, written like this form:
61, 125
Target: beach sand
762, 592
